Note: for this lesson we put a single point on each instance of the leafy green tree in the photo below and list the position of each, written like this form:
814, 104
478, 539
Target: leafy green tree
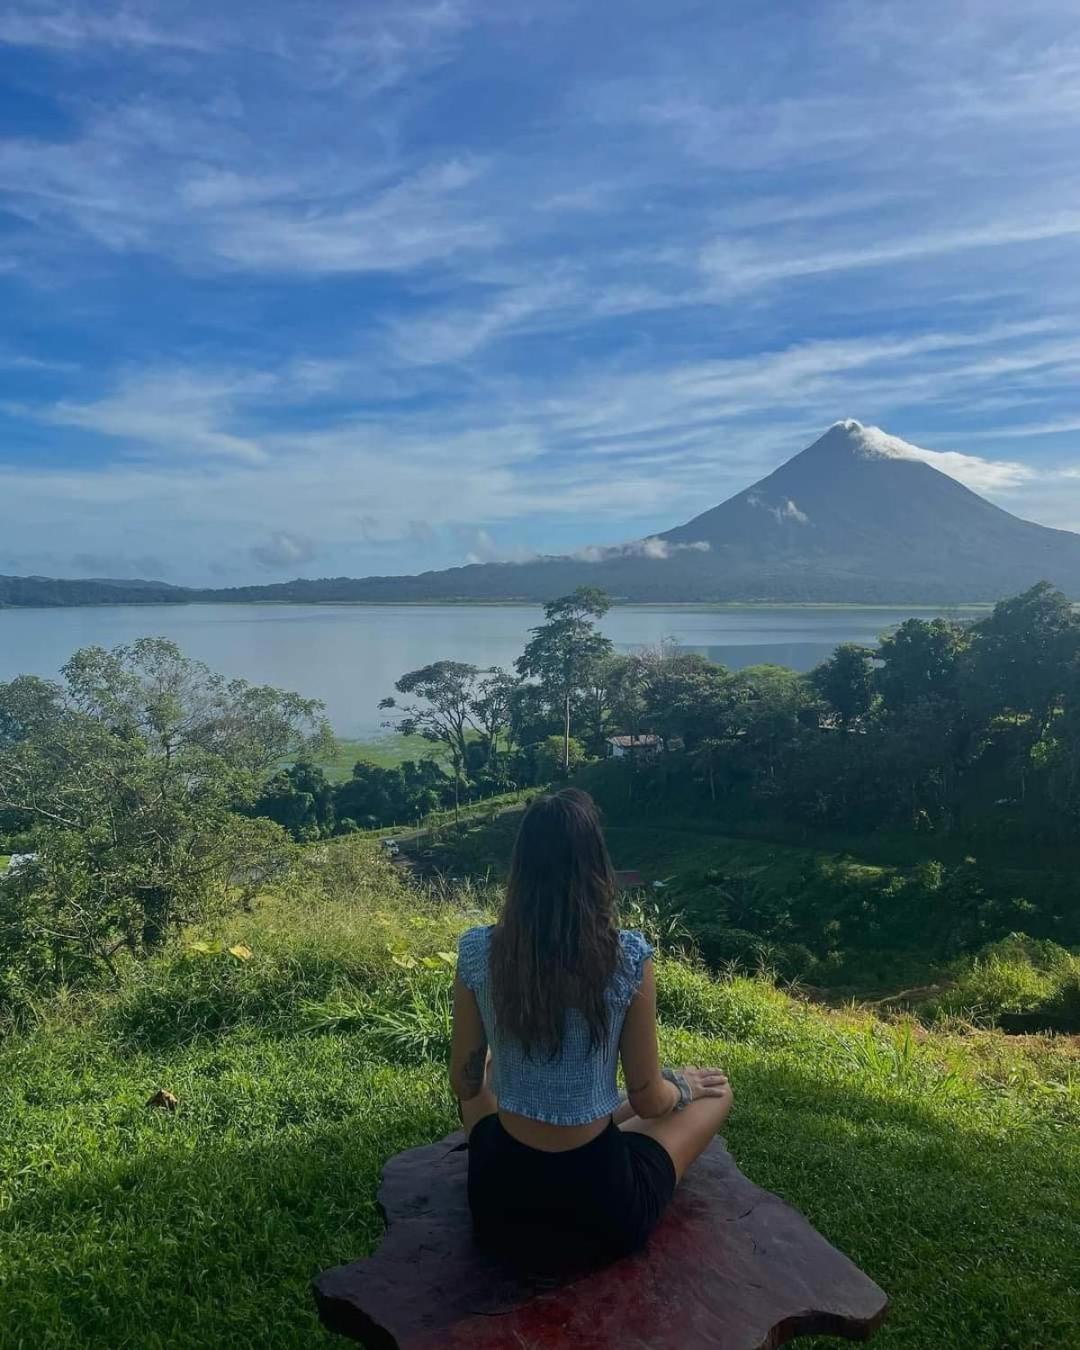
372, 795
846, 682
379, 796
552, 756
445, 715
300, 799
531, 716
565, 651
1022, 654
491, 713
627, 693
689, 698
921, 660
709, 759
134, 769
774, 710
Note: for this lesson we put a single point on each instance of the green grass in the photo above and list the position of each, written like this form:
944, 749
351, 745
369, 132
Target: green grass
947, 1165
387, 752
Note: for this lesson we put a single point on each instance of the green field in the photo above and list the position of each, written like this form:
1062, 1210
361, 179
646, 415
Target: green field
947, 1165
385, 751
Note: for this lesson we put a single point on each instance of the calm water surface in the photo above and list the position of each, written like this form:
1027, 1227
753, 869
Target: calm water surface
350, 655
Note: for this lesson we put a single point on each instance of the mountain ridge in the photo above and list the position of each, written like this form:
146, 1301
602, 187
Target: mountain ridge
859, 516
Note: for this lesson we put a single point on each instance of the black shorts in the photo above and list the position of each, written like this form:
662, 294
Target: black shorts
583, 1206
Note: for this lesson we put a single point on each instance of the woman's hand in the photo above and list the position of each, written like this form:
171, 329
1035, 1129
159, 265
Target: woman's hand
706, 1082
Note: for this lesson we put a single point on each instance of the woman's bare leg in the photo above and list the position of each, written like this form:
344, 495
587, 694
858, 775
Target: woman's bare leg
685, 1134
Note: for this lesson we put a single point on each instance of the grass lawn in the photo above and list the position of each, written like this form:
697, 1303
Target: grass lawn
947, 1166
385, 751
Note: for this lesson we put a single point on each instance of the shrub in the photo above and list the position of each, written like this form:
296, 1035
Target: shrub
1019, 974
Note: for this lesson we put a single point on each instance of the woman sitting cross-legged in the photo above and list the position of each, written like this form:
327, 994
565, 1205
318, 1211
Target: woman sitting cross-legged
546, 1003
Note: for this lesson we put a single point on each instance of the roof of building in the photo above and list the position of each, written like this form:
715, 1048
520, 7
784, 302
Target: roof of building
648, 738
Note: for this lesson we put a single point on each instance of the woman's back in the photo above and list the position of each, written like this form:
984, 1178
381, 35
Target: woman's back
574, 1083
546, 1003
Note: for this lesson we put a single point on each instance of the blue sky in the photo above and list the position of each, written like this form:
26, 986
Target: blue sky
311, 288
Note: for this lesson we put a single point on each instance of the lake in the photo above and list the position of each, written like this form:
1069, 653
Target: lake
350, 655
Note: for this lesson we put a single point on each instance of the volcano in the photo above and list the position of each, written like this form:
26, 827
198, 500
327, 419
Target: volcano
858, 517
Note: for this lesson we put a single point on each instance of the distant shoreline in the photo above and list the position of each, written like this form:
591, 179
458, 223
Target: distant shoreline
701, 605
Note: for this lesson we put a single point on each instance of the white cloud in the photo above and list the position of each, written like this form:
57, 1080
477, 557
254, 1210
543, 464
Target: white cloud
651, 547
456, 333
71, 26
982, 475
175, 412
374, 47
1052, 428
780, 512
400, 227
197, 186
739, 265
282, 550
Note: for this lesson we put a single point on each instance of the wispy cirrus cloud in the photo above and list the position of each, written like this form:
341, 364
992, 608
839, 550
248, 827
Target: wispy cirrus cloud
740, 265
175, 411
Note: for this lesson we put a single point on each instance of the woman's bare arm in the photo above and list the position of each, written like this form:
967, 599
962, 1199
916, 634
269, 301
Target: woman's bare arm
650, 1094
468, 1047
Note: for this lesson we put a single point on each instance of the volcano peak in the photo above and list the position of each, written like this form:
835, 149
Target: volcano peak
851, 437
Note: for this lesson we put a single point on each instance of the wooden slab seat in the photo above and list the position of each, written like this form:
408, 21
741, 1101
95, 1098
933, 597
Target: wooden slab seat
730, 1267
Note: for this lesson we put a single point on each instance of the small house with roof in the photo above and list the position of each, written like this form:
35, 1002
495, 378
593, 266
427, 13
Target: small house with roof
646, 744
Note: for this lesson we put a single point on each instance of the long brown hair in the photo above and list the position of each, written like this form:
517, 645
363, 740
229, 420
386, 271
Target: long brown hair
556, 944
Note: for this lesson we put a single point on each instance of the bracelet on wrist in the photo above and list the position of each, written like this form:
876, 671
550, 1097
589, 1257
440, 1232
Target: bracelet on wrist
686, 1095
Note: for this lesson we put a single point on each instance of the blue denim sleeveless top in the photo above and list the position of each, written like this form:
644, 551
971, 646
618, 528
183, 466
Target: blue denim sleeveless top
577, 1086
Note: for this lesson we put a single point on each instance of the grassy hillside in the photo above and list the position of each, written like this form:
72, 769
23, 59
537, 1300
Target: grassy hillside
947, 1165
851, 915
386, 752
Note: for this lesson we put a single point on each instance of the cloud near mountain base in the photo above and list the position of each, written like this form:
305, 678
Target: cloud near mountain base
650, 547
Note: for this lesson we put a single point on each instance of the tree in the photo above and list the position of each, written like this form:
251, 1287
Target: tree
300, 799
446, 715
687, 697
846, 682
709, 758
531, 716
627, 688
564, 651
921, 660
773, 709
550, 756
378, 796
134, 769
490, 710
1023, 653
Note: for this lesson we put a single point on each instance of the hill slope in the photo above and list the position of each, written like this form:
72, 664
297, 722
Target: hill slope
856, 517
49, 592
947, 1166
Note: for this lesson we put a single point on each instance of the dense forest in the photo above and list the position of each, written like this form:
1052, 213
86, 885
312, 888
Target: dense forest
951, 750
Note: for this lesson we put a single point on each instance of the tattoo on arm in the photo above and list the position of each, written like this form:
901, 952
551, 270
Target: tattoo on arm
472, 1071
